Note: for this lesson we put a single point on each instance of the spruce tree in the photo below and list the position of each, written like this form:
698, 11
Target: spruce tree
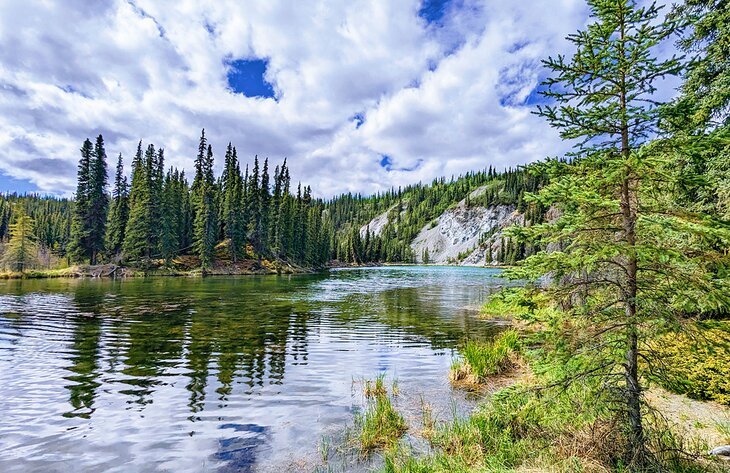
233, 197
137, 245
206, 226
118, 211
98, 201
613, 268
78, 248
253, 194
265, 211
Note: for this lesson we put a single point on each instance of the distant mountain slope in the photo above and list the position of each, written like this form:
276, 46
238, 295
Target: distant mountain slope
456, 222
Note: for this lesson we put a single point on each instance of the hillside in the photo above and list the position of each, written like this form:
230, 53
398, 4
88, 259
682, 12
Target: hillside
457, 222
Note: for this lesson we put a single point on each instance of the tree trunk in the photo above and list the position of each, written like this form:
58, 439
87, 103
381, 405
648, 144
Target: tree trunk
629, 208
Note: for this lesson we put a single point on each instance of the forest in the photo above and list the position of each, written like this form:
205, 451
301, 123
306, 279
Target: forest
242, 215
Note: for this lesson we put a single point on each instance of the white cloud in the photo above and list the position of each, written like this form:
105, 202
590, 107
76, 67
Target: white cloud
438, 99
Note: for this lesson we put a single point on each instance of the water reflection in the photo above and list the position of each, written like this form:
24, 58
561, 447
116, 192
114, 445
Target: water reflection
221, 373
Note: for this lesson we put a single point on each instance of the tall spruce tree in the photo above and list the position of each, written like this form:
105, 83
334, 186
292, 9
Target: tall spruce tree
98, 201
80, 232
614, 268
137, 246
118, 211
265, 210
205, 226
253, 194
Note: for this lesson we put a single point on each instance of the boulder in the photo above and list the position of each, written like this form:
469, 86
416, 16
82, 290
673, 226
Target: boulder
723, 451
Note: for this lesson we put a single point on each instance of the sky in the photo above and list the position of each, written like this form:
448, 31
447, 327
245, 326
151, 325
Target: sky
358, 95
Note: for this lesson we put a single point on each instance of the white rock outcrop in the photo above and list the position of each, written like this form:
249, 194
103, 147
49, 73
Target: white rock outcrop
460, 230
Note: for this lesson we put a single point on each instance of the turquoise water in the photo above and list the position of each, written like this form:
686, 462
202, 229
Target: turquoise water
219, 374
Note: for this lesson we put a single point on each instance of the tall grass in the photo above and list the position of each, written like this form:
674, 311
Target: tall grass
380, 425
484, 359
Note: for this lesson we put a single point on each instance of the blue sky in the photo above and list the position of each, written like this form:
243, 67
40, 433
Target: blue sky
358, 95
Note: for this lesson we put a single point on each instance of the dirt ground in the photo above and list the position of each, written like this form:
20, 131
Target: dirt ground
708, 421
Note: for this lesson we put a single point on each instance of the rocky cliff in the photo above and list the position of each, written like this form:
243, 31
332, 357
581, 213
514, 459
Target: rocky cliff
464, 234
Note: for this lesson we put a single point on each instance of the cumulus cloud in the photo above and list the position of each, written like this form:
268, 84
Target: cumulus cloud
354, 81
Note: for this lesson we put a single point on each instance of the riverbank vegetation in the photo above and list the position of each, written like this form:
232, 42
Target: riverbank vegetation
481, 360
634, 262
380, 425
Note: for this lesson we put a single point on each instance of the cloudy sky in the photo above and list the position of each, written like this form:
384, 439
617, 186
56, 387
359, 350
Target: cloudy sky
359, 95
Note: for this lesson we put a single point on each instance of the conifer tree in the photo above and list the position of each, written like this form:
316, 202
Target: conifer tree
614, 270
118, 210
253, 194
21, 251
206, 226
79, 244
137, 246
274, 236
284, 222
233, 197
171, 208
98, 202
265, 211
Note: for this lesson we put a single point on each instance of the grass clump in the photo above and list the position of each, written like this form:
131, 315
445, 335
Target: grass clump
484, 359
380, 425
375, 388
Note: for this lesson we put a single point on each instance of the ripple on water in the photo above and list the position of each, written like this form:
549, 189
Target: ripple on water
226, 374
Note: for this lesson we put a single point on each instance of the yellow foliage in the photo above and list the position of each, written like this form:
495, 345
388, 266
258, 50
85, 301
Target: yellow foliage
697, 362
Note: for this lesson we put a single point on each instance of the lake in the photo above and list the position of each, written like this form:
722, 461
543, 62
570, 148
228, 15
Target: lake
223, 373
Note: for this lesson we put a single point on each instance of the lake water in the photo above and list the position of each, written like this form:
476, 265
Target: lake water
220, 374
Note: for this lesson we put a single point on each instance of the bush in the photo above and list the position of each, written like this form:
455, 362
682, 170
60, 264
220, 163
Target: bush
697, 362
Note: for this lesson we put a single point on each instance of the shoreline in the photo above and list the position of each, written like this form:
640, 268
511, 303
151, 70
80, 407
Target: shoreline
245, 268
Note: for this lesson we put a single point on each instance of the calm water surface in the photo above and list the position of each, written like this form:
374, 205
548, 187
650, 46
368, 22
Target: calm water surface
219, 374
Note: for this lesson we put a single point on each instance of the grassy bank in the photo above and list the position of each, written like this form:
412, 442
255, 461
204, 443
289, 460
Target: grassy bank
542, 423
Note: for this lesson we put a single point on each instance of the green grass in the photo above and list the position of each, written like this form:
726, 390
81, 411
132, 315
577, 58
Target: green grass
375, 388
380, 425
484, 359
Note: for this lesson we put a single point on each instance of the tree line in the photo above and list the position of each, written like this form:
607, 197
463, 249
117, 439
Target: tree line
159, 215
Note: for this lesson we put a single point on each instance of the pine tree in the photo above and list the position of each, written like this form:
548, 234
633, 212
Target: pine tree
21, 251
80, 233
615, 271
118, 211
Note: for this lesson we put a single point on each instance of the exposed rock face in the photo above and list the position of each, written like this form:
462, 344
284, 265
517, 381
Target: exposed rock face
465, 235
377, 224
462, 229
